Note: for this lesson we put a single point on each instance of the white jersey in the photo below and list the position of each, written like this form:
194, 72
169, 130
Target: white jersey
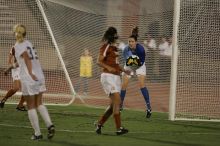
15, 73
150, 44
162, 47
29, 86
20, 48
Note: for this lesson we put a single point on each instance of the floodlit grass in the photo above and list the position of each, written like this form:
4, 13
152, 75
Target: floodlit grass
74, 127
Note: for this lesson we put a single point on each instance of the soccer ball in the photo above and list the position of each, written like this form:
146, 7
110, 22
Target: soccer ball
133, 60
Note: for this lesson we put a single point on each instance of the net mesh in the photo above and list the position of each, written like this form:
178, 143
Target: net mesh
197, 94
79, 25
27, 13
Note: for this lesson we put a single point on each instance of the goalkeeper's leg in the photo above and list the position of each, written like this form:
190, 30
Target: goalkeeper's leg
125, 81
145, 93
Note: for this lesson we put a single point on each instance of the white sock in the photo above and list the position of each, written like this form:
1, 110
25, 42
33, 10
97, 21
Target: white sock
44, 114
33, 117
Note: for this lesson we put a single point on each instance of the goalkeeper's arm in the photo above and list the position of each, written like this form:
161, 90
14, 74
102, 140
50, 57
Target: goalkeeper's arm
141, 54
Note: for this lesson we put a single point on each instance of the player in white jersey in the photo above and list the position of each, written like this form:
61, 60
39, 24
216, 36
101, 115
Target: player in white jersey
14, 68
32, 82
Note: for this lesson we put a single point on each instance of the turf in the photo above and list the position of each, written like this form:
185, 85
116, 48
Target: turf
74, 127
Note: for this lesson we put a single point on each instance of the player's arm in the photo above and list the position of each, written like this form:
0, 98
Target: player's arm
11, 56
14, 65
126, 53
28, 63
10, 62
10, 59
141, 55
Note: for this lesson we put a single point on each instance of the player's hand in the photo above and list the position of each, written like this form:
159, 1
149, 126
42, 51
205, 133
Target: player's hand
128, 72
130, 62
111, 69
33, 77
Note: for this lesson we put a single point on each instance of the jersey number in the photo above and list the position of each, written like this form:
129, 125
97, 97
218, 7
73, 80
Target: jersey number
32, 53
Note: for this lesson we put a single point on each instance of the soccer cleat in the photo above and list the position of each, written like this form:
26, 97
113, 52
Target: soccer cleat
98, 129
121, 107
22, 108
121, 131
34, 137
2, 104
148, 113
51, 132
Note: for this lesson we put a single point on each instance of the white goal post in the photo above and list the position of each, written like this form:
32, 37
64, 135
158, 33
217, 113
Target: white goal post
59, 54
195, 80
172, 100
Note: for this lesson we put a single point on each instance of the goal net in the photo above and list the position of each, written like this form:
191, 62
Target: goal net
27, 12
62, 29
196, 92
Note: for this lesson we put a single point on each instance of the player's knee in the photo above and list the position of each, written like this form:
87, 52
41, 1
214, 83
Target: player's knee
124, 86
117, 102
141, 84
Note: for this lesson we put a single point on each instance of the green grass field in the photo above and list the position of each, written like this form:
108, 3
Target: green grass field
74, 127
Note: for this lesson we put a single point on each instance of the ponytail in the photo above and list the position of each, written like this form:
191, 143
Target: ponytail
134, 33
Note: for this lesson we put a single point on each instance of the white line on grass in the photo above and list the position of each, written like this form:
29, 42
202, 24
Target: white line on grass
133, 132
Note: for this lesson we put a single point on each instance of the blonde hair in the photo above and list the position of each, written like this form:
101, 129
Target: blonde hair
20, 25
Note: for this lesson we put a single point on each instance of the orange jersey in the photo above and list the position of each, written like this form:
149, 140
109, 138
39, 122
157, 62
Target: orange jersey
110, 54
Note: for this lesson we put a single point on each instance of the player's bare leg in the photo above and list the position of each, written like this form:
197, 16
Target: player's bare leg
11, 92
20, 105
8, 94
103, 119
116, 101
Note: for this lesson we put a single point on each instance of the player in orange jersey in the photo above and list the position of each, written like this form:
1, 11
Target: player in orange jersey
110, 79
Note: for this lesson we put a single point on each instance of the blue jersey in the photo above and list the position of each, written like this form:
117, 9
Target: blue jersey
139, 51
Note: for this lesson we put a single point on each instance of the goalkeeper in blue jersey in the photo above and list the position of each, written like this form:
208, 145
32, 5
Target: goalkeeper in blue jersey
134, 56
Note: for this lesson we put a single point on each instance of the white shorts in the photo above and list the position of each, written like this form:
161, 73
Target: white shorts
30, 88
111, 83
15, 73
140, 71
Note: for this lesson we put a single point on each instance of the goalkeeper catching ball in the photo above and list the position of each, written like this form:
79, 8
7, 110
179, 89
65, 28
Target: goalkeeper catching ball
133, 62
134, 57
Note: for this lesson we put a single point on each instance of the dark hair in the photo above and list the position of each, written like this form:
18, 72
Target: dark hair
110, 35
134, 33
